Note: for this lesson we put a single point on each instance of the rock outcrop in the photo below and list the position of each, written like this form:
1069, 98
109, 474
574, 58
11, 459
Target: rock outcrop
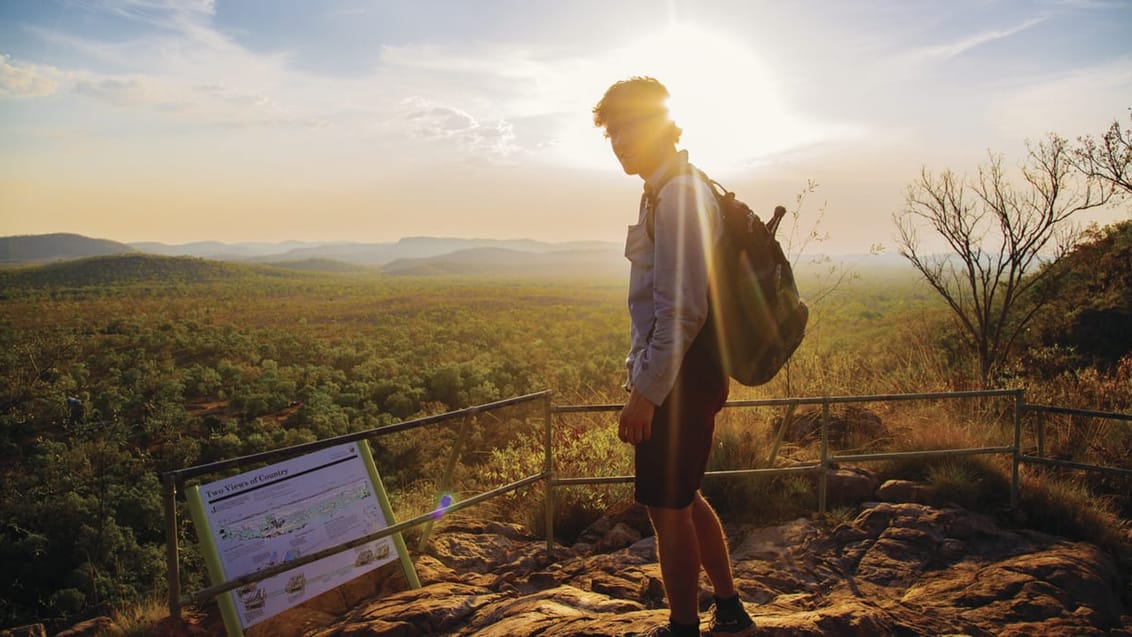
896, 569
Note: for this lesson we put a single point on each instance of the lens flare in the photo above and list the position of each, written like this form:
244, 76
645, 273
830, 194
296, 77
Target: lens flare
442, 506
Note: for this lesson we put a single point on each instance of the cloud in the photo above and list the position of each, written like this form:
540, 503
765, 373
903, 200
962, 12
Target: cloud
172, 14
119, 91
1082, 102
211, 104
431, 121
958, 47
28, 80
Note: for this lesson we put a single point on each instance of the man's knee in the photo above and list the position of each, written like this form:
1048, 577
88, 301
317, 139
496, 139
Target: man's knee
666, 520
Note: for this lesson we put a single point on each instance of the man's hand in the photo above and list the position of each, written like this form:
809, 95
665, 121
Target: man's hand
636, 419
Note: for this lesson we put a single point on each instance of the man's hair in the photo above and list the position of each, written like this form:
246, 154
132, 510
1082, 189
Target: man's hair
634, 98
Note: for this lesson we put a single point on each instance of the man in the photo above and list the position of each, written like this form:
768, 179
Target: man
675, 380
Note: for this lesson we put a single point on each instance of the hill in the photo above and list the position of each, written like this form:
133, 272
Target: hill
430, 247
358, 253
105, 271
320, 265
46, 248
507, 262
222, 251
1090, 318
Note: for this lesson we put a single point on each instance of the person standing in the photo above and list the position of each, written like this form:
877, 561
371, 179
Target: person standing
676, 383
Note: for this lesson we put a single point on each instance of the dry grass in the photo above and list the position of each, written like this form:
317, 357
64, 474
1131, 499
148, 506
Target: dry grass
138, 620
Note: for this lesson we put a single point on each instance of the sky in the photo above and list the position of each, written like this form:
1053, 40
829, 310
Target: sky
373, 120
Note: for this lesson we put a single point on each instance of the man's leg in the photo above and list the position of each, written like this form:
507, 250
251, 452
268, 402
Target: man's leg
713, 547
678, 550
728, 616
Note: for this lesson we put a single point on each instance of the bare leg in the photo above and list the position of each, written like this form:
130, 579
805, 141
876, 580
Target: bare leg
713, 547
678, 550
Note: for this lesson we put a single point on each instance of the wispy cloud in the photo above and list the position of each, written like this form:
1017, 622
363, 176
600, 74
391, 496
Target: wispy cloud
173, 14
1083, 101
26, 80
961, 46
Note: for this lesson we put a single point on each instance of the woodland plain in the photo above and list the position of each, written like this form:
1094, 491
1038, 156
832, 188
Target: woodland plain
157, 364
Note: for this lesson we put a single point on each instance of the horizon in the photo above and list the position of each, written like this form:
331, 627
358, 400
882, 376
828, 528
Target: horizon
355, 121
429, 247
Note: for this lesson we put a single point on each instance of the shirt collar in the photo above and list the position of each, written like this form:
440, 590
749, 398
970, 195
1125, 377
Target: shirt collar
665, 169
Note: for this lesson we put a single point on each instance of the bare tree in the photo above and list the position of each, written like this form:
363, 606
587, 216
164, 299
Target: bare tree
1109, 159
998, 234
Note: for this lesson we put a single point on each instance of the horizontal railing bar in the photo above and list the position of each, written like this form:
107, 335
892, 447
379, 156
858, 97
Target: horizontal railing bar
928, 453
872, 398
565, 482
576, 409
816, 400
1070, 411
275, 454
1074, 465
767, 471
212, 591
560, 482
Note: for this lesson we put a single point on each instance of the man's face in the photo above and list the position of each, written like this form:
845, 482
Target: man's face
638, 141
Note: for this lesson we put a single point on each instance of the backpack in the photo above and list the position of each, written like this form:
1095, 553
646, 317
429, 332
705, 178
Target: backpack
759, 317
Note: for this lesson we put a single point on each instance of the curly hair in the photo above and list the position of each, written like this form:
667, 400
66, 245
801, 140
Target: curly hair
636, 97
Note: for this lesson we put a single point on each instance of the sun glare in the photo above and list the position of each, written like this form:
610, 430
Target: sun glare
723, 96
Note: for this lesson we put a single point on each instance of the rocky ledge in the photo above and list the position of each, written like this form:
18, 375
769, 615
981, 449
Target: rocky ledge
896, 569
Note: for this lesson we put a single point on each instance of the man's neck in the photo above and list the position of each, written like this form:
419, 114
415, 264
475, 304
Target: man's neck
656, 161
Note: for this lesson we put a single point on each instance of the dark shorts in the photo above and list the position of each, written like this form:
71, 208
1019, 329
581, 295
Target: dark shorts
670, 465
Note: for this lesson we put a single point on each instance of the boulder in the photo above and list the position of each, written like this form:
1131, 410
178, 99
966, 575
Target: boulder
848, 427
907, 491
850, 485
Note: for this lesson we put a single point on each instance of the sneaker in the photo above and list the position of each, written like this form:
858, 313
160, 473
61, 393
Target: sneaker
730, 618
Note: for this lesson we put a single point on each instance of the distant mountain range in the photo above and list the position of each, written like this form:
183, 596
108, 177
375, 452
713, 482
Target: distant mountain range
373, 254
409, 256
31, 249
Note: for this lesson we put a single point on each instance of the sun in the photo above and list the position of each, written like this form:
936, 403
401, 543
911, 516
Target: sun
723, 96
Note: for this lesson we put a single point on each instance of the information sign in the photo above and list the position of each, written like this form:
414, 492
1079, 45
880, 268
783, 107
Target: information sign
278, 513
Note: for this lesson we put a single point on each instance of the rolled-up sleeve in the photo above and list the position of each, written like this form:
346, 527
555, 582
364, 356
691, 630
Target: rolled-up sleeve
684, 224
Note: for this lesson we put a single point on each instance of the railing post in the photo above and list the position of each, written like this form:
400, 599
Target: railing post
172, 567
548, 472
823, 477
1041, 434
1018, 401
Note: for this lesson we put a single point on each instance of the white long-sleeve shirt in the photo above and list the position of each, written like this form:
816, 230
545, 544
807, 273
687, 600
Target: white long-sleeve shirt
668, 278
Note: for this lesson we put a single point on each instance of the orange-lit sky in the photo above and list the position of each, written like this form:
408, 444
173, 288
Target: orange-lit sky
370, 120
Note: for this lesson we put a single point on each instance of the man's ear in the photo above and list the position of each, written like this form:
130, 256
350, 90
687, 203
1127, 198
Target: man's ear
674, 132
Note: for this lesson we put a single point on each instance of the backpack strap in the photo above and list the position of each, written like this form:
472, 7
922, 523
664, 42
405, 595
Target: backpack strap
652, 195
722, 195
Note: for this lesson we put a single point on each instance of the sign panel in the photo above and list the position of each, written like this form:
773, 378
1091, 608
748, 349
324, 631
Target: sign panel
275, 514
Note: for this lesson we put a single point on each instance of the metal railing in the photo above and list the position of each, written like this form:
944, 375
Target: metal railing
1041, 410
826, 459
175, 480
